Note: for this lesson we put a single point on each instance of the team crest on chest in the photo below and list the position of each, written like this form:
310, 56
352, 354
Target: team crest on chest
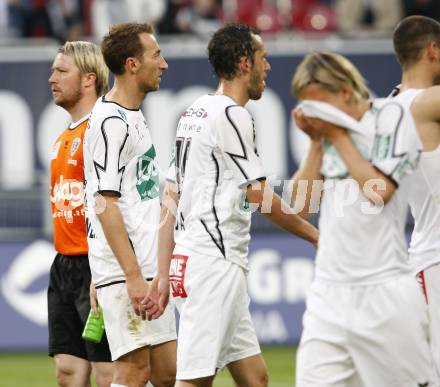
75, 146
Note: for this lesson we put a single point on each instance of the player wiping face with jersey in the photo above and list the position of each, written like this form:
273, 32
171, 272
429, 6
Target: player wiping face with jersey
365, 322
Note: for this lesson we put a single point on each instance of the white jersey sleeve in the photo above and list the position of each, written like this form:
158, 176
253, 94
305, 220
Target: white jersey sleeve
397, 146
236, 138
109, 154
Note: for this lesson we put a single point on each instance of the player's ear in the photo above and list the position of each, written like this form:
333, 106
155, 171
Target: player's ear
433, 50
89, 79
244, 65
346, 92
132, 64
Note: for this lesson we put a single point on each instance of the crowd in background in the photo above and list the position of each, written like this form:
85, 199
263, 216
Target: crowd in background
76, 19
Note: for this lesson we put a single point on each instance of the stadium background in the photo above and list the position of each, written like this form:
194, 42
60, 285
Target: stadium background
281, 265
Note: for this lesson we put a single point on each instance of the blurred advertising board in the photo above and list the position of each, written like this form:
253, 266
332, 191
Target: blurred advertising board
281, 268
30, 122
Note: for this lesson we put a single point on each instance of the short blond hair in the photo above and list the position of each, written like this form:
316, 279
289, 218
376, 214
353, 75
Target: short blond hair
331, 71
88, 58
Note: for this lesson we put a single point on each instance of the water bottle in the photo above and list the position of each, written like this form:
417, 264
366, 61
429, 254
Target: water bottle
94, 328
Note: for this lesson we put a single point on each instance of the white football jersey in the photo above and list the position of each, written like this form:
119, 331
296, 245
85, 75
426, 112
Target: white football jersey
360, 243
424, 201
119, 156
215, 158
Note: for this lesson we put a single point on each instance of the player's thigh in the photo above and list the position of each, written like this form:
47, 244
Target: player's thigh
390, 344
65, 326
322, 363
239, 339
205, 315
249, 372
432, 285
163, 363
322, 357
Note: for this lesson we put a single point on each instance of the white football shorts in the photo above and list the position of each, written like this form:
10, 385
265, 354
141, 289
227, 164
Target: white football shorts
365, 336
430, 282
125, 330
215, 326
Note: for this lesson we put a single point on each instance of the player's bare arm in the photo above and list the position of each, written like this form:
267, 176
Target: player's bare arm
427, 117
359, 168
280, 212
158, 295
303, 180
117, 237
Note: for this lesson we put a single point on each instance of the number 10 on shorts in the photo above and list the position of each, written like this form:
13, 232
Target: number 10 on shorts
177, 275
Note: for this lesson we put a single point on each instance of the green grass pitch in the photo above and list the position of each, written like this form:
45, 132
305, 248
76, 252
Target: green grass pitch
37, 370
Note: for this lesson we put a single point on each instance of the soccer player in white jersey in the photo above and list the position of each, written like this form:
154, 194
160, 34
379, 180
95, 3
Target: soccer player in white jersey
218, 172
417, 47
123, 209
366, 321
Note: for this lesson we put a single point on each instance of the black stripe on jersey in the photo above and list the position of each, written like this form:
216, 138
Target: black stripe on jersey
219, 243
149, 279
103, 168
395, 91
234, 156
123, 107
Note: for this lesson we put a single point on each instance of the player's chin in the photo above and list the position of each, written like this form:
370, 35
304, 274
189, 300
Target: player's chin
57, 100
256, 94
154, 86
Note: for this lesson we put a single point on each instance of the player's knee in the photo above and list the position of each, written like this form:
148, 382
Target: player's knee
167, 380
164, 381
63, 377
260, 379
103, 379
132, 375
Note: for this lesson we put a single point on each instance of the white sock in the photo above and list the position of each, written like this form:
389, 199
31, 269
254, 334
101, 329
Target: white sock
117, 385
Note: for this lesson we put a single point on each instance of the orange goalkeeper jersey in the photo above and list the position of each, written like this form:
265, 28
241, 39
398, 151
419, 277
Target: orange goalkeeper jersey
67, 190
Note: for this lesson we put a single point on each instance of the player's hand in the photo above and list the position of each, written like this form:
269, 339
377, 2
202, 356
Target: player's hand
303, 123
326, 129
317, 128
157, 297
93, 300
137, 289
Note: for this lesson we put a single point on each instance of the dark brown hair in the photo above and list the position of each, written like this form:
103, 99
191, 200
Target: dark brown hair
122, 42
228, 45
411, 36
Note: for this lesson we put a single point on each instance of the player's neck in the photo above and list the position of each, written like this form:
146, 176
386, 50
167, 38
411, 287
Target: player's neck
234, 90
417, 77
126, 95
83, 107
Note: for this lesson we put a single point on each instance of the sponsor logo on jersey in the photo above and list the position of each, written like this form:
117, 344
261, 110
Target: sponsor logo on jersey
200, 113
147, 175
67, 194
75, 146
177, 275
